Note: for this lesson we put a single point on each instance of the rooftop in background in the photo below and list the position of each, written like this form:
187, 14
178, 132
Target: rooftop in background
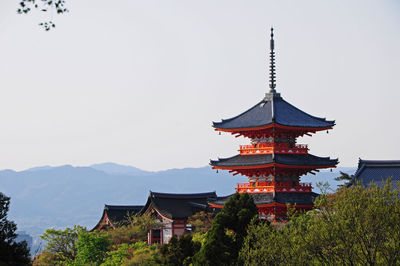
178, 206
377, 172
117, 215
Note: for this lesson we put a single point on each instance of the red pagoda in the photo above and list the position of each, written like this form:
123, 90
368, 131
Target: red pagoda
274, 162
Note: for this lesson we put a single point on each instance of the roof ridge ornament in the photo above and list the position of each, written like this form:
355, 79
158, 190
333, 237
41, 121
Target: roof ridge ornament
272, 75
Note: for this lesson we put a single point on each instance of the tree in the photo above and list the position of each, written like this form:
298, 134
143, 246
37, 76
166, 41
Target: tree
355, 226
201, 222
92, 248
139, 253
61, 244
11, 253
179, 251
228, 230
344, 177
264, 245
134, 229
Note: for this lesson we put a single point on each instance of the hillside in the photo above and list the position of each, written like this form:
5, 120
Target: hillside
57, 197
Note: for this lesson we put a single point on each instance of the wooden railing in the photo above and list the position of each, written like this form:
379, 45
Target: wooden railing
268, 148
273, 186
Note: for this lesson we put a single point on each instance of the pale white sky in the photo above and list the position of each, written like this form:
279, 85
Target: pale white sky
139, 82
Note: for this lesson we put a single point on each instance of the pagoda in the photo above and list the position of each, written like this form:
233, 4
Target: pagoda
274, 161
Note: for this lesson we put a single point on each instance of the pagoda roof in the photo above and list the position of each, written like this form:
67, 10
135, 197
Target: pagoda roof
378, 172
273, 109
307, 160
178, 206
280, 197
118, 214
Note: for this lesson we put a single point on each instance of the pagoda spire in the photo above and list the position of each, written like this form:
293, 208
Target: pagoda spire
272, 76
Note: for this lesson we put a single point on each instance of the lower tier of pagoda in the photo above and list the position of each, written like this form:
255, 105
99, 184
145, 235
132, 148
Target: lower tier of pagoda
264, 199
273, 206
277, 212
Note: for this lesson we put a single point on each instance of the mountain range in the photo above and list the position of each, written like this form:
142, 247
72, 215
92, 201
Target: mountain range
58, 197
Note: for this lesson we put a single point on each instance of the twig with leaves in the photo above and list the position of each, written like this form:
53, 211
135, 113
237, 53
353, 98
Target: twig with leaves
26, 6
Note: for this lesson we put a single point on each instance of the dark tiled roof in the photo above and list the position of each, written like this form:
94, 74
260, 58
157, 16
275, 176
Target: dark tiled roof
273, 109
179, 206
221, 200
119, 213
283, 198
377, 172
263, 159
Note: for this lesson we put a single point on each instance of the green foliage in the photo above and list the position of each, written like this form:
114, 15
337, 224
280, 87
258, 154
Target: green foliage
201, 222
76, 246
61, 244
136, 229
92, 248
11, 253
355, 226
46, 258
179, 251
117, 255
199, 238
138, 253
224, 239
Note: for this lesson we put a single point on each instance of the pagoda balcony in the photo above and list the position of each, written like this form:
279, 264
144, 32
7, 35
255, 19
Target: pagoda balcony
273, 186
268, 148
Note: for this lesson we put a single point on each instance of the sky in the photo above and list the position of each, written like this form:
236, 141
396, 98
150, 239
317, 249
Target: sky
140, 82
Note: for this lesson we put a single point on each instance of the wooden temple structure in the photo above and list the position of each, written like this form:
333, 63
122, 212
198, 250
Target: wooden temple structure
274, 161
173, 211
116, 215
170, 209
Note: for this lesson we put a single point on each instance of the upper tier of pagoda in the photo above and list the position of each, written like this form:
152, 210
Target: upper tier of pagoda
273, 116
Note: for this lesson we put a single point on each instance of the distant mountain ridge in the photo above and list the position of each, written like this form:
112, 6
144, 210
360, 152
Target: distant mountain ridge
56, 197
113, 168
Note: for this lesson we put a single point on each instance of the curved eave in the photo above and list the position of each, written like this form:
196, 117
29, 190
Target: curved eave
244, 167
102, 222
239, 115
163, 215
152, 206
273, 125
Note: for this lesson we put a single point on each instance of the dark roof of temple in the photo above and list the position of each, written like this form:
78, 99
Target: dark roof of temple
273, 108
178, 206
119, 213
377, 171
283, 198
263, 159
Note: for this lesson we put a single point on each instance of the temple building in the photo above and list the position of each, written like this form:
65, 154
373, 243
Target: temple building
377, 172
173, 211
274, 161
116, 215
